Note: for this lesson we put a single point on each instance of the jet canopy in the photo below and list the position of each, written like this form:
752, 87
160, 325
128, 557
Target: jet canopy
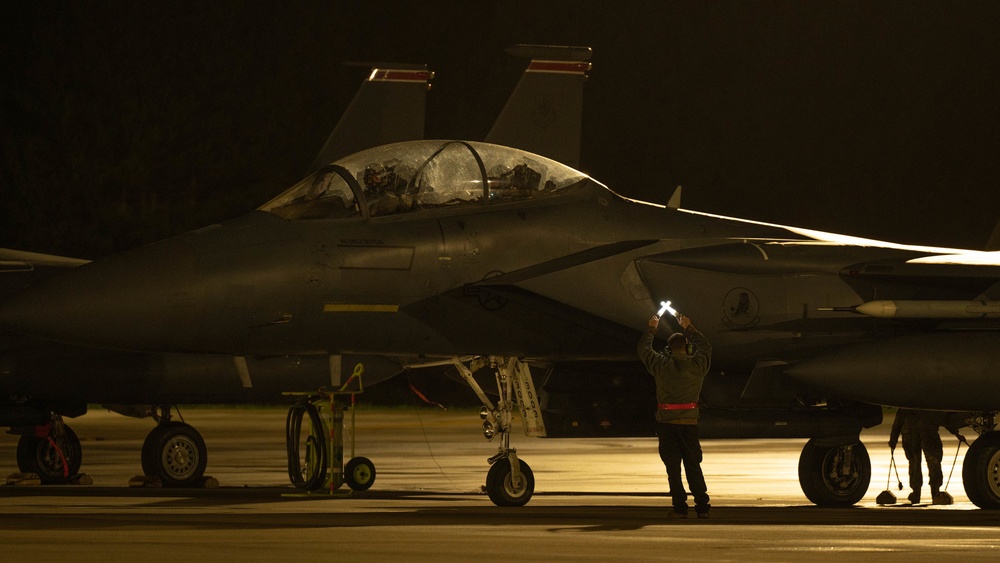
418, 175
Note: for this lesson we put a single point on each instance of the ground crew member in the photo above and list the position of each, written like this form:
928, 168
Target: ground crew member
920, 432
679, 373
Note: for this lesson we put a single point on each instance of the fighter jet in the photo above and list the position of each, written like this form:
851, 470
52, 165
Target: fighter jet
488, 257
582, 394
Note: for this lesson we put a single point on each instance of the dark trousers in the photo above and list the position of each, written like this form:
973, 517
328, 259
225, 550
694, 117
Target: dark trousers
679, 444
928, 440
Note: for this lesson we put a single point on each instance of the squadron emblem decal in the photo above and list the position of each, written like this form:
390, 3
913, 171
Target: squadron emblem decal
544, 113
740, 309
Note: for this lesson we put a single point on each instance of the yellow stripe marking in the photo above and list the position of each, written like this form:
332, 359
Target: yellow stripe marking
360, 308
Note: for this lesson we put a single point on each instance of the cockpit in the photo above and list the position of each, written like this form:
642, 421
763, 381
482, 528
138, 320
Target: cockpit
417, 175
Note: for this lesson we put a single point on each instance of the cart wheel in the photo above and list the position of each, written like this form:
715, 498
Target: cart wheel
359, 474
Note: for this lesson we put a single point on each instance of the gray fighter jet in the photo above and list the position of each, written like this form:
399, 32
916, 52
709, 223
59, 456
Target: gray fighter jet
488, 257
494, 259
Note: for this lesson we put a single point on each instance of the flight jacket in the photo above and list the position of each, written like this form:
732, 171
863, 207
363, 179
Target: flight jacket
678, 380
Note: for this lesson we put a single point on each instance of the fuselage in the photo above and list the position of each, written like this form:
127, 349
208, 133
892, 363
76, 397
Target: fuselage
569, 273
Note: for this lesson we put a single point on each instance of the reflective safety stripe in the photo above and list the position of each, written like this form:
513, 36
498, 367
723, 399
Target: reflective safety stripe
559, 67
678, 406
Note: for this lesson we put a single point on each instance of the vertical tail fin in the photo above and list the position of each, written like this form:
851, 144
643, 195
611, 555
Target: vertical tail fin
544, 114
994, 242
388, 108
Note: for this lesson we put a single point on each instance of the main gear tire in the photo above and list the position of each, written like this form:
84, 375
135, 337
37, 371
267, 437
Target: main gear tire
148, 454
827, 480
981, 471
359, 474
54, 458
176, 453
503, 489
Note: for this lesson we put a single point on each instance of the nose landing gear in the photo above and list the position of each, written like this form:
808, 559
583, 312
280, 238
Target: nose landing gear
510, 481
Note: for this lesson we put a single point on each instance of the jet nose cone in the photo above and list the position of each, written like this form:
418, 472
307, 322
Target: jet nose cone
145, 299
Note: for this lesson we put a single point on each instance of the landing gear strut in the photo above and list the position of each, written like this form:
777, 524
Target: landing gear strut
833, 474
509, 481
174, 452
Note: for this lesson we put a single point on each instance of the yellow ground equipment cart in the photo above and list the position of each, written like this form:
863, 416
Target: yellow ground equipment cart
320, 468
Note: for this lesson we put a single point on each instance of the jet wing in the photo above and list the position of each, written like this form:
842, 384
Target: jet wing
897, 272
19, 268
926, 281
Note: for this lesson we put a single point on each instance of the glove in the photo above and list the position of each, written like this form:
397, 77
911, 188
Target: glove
961, 439
892, 445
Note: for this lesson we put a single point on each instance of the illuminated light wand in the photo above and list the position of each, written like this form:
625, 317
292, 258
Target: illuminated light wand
665, 306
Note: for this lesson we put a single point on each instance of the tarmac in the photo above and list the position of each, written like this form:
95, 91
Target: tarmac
600, 499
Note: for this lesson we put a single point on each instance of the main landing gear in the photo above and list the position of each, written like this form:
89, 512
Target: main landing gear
509, 481
52, 451
981, 467
833, 472
174, 452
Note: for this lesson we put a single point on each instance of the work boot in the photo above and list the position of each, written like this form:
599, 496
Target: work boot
914, 497
674, 515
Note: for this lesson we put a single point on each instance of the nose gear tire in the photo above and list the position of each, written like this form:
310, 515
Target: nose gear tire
502, 488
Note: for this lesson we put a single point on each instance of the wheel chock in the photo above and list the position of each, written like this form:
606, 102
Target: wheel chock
81, 479
885, 498
209, 483
23, 480
144, 482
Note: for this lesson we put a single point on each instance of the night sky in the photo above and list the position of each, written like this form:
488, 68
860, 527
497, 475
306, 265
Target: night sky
126, 122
